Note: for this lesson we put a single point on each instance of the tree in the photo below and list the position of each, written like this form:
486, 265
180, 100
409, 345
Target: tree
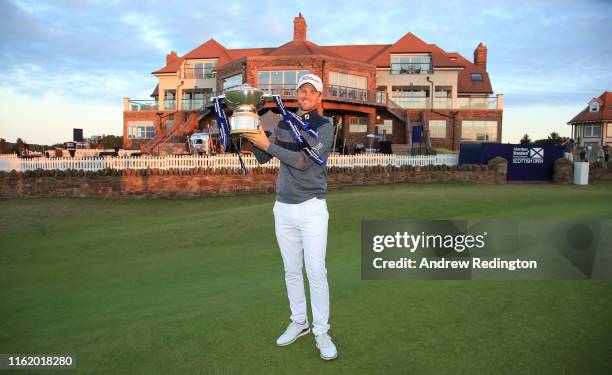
4, 146
19, 146
112, 141
525, 140
555, 139
552, 139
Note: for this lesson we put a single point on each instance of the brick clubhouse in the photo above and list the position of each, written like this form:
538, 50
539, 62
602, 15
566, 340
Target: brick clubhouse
373, 92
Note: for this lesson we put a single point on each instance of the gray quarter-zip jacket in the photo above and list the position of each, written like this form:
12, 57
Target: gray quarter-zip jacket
299, 178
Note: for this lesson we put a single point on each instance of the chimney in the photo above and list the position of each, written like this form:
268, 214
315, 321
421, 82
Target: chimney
299, 28
172, 56
480, 55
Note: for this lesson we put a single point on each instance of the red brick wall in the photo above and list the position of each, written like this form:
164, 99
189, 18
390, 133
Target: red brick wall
316, 64
455, 126
600, 170
134, 144
198, 182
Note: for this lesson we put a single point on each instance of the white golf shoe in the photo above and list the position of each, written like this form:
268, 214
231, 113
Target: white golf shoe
293, 332
326, 347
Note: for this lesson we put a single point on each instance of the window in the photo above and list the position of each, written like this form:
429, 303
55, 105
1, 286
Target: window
410, 96
279, 82
593, 106
592, 131
348, 80
386, 127
170, 100
358, 124
411, 64
201, 70
477, 77
232, 81
141, 129
350, 86
280, 77
484, 131
437, 128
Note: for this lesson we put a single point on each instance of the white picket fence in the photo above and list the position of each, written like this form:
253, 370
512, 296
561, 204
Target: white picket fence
212, 162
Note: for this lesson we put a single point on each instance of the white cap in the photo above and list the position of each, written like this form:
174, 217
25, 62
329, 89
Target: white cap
313, 80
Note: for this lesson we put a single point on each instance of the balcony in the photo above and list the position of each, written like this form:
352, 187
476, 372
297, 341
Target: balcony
411, 68
446, 103
281, 90
443, 103
411, 102
333, 92
198, 73
143, 105
195, 104
169, 105
349, 94
477, 103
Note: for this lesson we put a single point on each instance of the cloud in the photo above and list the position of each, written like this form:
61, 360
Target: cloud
149, 30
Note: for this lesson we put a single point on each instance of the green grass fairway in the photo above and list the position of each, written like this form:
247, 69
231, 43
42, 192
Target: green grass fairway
195, 286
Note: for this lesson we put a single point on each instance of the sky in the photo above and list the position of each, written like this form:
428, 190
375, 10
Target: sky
69, 64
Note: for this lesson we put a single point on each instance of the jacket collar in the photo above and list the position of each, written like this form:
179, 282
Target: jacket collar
311, 114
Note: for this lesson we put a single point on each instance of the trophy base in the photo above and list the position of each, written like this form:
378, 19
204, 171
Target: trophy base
244, 122
239, 132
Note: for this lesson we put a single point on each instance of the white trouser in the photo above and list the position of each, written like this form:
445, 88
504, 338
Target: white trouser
300, 227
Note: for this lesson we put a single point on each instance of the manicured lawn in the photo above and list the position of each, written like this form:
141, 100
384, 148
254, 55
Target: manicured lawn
196, 286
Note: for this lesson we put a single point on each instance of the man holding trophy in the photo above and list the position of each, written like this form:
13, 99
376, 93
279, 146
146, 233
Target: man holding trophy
300, 210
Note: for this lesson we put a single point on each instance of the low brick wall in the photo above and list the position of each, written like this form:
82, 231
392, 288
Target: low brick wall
600, 170
200, 182
563, 172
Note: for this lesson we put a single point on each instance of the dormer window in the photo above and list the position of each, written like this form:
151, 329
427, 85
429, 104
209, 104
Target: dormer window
476, 76
594, 106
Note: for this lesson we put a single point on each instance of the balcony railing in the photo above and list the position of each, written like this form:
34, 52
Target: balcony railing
195, 104
411, 102
348, 93
411, 68
169, 104
282, 90
443, 103
477, 103
144, 105
199, 73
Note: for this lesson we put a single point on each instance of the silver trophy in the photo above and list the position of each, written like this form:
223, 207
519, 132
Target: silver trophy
244, 101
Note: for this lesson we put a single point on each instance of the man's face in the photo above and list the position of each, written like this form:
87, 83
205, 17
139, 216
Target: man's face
308, 97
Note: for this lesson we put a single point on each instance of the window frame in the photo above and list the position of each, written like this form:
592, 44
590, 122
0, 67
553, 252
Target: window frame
475, 124
440, 125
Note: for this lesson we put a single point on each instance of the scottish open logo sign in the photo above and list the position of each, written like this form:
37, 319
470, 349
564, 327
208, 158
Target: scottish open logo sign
525, 162
536, 153
528, 155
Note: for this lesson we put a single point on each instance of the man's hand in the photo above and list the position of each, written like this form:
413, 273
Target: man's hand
259, 139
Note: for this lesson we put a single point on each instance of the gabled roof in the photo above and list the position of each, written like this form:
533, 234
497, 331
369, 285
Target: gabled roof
604, 113
362, 53
173, 67
300, 47
465, 82
247, 52
409, 43
210, 49
375, 54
